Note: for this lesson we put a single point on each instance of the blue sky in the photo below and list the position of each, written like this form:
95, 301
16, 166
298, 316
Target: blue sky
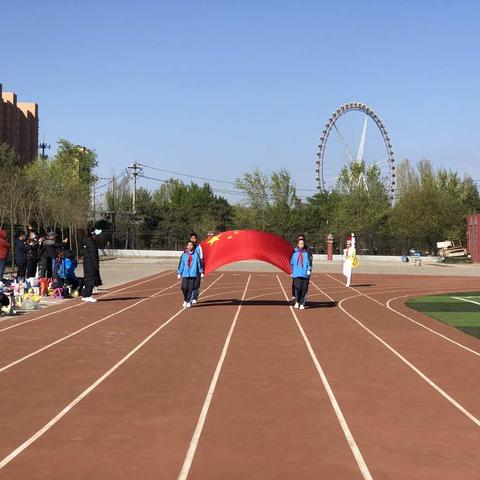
217, 88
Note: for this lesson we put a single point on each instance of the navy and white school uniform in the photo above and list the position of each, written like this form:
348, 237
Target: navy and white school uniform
190, 266
196, 289
310, 259
301, 268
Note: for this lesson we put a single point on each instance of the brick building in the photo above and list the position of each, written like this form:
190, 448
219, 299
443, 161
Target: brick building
19, 126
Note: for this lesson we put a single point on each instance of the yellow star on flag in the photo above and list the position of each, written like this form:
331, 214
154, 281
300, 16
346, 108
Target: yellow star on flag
214, 239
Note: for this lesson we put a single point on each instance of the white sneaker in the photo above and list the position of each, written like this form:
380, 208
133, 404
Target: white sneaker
296, 305
194, 302
189, 305
302, 307
89, 299
184, 304
347, 285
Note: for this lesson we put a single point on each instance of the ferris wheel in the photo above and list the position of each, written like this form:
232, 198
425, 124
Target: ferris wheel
334, 152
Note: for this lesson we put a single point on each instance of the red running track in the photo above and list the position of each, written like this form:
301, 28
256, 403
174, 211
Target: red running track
242, 386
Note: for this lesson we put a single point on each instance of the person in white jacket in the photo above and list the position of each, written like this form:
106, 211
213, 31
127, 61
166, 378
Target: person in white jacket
348, 256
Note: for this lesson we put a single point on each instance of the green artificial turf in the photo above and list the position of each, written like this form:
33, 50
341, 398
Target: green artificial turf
461, 314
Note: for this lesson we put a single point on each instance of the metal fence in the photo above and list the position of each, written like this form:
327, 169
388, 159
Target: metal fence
143, 238
175, 239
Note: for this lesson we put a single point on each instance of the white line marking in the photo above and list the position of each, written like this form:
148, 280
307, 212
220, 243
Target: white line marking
336, 407
80, 330
466, 300
5, 461
80, 304
431, 330
428, 328
208, 399
409, 364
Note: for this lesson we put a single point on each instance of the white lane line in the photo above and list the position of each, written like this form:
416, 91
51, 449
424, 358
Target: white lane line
358, 291
466, 300
431, 330
409, 364
208, 399
81, 304
448, 339
5, 461
331, 396
80, 330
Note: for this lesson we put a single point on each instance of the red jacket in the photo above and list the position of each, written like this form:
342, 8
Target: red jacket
4, 245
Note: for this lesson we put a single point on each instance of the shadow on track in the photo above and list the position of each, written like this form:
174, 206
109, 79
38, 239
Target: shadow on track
116, 299
283, 303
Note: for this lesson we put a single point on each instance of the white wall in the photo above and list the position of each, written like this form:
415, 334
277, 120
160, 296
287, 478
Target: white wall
316, 257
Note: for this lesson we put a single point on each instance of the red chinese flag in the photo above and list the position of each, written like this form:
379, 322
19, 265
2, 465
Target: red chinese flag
237, 245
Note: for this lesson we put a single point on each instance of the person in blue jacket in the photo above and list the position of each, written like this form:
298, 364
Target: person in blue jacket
189, 268
198, 248
301, 268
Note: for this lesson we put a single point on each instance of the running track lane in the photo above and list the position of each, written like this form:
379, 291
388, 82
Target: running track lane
9, 323
412, 447
404, 428
270, 417
454, 369
145, 400
29, 337
34, 391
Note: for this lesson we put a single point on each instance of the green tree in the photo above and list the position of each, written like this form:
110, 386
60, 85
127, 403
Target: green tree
432, 204
363, 206
256, 187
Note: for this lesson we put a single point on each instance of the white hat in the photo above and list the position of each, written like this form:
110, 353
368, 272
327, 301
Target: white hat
96, 232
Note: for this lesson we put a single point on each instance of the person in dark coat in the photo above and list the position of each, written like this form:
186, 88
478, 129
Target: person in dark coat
91, 266
32, 257
48, 253
21, 255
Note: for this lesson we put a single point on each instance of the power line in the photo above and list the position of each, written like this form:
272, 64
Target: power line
231, 192
112, 179
215, 190
211, 179
187, 175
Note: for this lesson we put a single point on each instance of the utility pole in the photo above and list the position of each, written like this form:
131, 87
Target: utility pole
136, 170
114, 211
43, 146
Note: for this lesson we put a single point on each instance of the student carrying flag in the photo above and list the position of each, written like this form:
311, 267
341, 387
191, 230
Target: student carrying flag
198, 248
189, 268
301, 268
301, 236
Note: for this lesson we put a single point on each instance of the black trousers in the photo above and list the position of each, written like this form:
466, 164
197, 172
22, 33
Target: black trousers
31, 267
293, 286
21, 270
301, 289
46, 267
188, 288
196, 288
87, 291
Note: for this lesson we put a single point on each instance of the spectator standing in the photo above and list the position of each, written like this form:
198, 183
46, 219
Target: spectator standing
4, 250
21, 255
48, 255
32, 257
91, 266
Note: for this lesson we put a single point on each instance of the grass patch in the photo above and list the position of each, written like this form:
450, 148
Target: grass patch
456, 309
